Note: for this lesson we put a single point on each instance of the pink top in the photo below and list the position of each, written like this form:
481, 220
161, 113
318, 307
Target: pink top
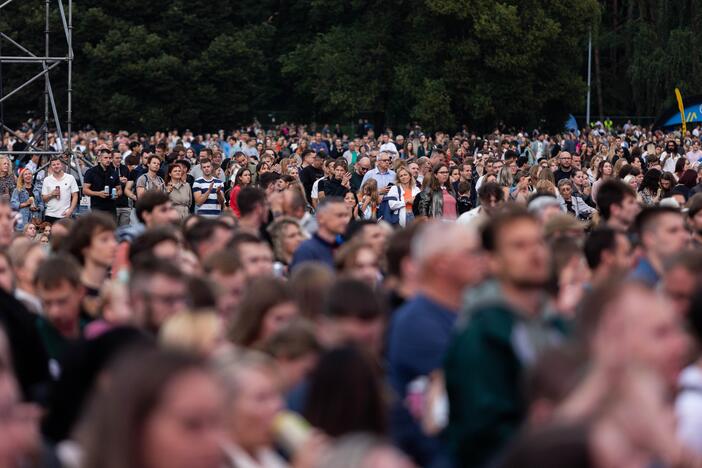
449, 205
233, 195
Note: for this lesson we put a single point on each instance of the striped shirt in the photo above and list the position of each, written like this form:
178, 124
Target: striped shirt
211, 206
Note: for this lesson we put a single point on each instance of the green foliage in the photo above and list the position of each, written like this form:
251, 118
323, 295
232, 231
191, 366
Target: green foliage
216, 63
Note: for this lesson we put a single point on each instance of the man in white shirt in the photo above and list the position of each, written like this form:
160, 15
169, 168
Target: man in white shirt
59, 192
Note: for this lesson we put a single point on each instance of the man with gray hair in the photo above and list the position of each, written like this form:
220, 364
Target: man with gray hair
382, 172
448, 258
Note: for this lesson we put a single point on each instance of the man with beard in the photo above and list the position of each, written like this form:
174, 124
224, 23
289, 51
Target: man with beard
506, 331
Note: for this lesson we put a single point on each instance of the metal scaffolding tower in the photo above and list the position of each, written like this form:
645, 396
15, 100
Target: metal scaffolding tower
39, 144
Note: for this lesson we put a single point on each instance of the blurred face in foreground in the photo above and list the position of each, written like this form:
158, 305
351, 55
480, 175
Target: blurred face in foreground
252, 411
521, 256
185, 430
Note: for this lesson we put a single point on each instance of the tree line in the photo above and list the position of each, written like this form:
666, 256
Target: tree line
441, 63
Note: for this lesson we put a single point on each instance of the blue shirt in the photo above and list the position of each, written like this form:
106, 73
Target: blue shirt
383, 179
321, 146
418, 338
315, 249
645, 273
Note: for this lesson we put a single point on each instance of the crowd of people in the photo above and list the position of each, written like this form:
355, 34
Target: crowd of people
301, 297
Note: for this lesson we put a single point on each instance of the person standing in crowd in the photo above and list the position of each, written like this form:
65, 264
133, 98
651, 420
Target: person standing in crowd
241, 179
7, 177
332, 219
362, 166
506, 331
617, 205
565, 167
179, 191
253, 210
254, 253
61, 293
608, 253
157, 290
287, 235
92, 243
662, 234
209, 196
437, 200
25, 258
401, 195
227, 275
170, 409
490, 196
59, 192
311, 170
156, 209
122, 202
26, 198
571, 202
448, 258
102, 184
338, 184
151, 180
382, 173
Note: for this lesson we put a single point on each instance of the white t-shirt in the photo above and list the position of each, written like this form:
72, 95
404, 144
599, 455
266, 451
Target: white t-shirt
56, 206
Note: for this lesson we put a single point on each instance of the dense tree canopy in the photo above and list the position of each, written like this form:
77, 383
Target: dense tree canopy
442, 63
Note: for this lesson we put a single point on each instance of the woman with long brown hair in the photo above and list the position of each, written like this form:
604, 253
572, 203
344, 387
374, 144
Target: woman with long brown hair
438, 200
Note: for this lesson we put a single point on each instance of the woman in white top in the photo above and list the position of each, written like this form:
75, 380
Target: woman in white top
403, 192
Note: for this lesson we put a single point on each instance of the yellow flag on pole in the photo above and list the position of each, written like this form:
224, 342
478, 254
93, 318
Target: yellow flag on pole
682, 111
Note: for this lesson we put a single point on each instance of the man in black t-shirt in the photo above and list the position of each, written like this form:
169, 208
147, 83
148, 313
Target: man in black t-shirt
311, 170
99, 182
122, 202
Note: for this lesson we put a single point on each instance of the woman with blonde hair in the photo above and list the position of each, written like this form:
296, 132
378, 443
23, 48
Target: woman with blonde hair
505, 179
27, 199
401, 195
286, 235
7, 178
198, 332
370, 199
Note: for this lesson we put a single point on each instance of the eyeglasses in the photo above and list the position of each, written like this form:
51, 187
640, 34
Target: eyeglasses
363, 169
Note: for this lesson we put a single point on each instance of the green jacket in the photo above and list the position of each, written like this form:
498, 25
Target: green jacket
484, 370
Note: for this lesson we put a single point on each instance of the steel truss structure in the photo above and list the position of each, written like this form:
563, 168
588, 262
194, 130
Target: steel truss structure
39, 144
